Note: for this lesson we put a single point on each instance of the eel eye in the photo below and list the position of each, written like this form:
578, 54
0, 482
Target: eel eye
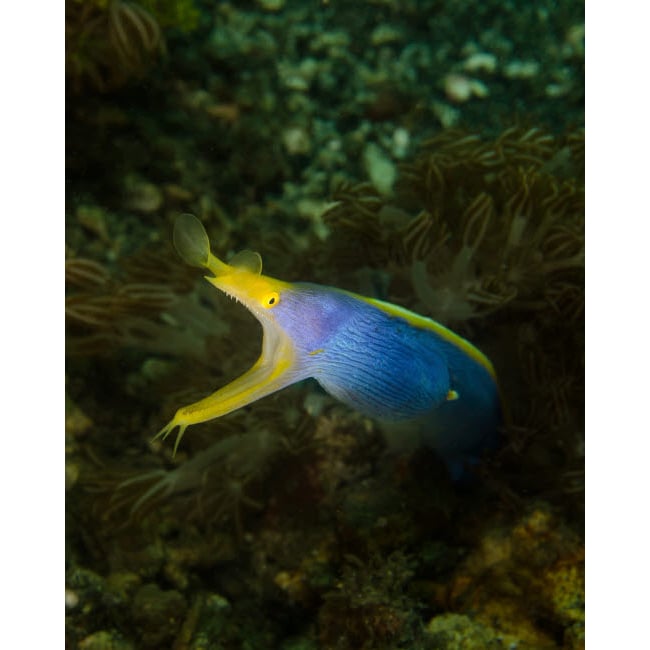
272, 299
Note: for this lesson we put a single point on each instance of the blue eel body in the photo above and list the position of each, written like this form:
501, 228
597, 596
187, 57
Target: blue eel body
387, 368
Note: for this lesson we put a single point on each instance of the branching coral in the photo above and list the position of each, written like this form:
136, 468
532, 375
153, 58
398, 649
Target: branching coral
87, 50
109, 42
218, 482
497, 222
213, 483
134, 35
521, 226
142, 310
370, 607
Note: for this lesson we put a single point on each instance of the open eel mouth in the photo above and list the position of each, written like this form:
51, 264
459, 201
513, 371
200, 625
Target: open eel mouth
277, 365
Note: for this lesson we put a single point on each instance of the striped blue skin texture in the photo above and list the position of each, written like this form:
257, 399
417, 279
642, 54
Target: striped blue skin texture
389, 369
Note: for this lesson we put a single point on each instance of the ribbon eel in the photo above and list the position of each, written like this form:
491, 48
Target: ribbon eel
403, 369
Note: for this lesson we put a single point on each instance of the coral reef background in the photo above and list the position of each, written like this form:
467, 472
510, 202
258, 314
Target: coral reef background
430, 153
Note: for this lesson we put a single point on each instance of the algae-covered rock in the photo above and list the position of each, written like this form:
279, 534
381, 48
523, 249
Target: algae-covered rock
271, 5
77, 423
574, 637
105, 640
533, 568
122, 585
458, 632
87, 584
159, 615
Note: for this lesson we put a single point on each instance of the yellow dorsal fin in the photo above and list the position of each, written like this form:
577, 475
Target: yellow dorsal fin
247, 260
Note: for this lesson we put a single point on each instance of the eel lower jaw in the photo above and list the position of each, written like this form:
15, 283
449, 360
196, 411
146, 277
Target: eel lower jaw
276, 368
